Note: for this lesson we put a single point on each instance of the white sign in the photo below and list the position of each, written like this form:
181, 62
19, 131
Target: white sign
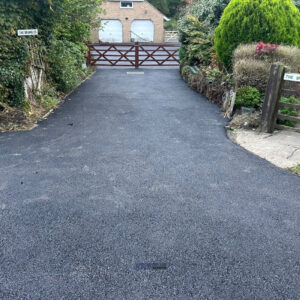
27, 32
292, 77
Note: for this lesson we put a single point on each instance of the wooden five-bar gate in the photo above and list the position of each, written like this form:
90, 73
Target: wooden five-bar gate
133, 54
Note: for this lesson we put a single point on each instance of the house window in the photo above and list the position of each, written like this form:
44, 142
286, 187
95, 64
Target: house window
126, 4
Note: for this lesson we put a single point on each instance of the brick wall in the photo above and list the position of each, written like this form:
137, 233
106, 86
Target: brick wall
140, 11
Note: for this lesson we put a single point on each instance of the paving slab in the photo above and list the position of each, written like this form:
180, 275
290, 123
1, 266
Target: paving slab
282, 148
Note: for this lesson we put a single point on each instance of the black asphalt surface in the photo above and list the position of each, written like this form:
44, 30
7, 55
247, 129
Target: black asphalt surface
136, 171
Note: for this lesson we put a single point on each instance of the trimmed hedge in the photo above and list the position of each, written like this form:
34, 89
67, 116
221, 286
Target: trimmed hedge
272, 21
250, 69
287, 55
251, 72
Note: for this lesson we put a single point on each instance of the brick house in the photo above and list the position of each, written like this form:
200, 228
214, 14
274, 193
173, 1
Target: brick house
129, 21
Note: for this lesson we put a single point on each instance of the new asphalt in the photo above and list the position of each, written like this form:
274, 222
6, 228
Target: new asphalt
131, 190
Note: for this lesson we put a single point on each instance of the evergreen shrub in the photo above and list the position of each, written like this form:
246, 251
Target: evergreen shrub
247, 96
271, 21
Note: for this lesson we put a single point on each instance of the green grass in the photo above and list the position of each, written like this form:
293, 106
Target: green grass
296, 170
49, 102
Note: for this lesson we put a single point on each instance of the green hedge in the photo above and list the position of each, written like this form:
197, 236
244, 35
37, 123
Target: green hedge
64, 28
65, 64
270, 21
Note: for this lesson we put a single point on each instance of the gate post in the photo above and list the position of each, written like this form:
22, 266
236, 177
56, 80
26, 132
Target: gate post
89, 56
136, 54
272, 98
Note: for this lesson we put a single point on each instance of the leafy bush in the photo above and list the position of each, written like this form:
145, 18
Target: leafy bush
64, 27
12, 77
273, 21
214, 75
206, 11
289, 111
170, 25
13, 56
196, 28
196, 46
248, 97
65, 64
169, 7
184, 73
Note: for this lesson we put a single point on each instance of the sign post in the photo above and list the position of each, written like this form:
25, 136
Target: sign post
292, 77
27, 32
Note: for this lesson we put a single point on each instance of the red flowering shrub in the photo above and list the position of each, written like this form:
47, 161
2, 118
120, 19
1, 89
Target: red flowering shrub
263, 48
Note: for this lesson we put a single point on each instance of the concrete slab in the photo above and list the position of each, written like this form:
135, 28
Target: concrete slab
282, 148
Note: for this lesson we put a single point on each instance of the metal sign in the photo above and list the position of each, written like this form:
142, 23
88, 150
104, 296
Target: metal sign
292, 77
26, 32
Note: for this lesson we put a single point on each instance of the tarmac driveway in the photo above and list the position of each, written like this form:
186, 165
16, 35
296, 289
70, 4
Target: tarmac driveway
134, 172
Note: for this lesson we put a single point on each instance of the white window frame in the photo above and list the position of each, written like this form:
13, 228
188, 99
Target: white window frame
126, 2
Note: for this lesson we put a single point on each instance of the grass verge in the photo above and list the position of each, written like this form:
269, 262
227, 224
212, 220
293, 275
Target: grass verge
296, 170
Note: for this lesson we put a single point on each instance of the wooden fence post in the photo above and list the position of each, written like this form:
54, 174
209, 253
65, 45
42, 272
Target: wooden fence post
136, 55
272, 98
89, 56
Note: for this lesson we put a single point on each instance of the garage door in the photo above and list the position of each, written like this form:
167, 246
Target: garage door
111, 31
142, 30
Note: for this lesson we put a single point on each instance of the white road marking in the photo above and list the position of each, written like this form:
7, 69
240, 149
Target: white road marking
135, 73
